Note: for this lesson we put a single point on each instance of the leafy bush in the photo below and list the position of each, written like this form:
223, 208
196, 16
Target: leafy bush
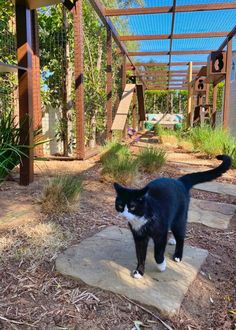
61, 193
10, 148
209, 140
230, 149
118, 164
151, 159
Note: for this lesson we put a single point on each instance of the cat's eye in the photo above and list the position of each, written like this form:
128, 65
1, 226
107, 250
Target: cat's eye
120, 207
132, 208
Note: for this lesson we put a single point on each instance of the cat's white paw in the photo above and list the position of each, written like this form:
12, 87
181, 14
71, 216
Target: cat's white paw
136, 274
162, 267
172, 241
177, 259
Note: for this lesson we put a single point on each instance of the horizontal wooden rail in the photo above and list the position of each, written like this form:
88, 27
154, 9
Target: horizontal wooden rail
176, 52
169, 9
174, 36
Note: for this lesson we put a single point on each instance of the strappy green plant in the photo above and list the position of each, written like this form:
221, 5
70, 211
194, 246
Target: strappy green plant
11, 150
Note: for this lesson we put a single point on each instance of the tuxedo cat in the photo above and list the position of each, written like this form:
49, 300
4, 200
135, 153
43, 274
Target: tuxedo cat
161, 205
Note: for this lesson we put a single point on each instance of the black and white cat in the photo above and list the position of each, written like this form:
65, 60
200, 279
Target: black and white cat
158, 207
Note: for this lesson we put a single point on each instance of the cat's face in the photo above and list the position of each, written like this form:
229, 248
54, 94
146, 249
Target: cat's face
130, 203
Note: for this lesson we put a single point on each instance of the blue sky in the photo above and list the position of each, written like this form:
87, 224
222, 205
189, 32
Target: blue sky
188, 22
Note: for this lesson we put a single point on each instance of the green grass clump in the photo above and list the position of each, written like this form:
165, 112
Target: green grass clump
118, 164
114, 149
209, 140
151, 159
230, 150
60, 194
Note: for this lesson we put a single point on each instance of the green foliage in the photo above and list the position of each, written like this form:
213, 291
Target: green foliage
156, 101
151, 159
10, 148
230, 149
61, 193
209, 140
118, 164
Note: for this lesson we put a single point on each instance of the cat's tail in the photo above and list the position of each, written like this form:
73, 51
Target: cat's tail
189, 180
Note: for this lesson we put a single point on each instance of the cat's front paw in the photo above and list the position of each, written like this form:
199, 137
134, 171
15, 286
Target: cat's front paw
136, 274
171, 241
162, 267
176, 258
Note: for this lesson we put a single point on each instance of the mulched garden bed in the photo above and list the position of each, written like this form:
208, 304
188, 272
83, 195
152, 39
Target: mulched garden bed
34, 296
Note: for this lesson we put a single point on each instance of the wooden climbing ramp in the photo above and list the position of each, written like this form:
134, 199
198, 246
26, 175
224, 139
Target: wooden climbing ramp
123, 109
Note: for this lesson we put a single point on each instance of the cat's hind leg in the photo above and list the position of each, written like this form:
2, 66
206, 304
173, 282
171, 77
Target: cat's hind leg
179, 234
159, 250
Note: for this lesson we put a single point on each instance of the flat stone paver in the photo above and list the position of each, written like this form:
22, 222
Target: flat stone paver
210, 213
217, 187
106, 259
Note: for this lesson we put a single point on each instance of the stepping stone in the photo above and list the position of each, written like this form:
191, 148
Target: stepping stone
211, 214
106, 259
217, 187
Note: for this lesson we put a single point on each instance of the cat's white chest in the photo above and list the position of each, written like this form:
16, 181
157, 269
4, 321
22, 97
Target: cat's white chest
135, 221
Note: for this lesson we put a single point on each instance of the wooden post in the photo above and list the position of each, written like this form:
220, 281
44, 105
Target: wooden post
109, 84
25, 58
134, 113
189, 106
123, 83
79, 79
37, 111
214, 106
227, 86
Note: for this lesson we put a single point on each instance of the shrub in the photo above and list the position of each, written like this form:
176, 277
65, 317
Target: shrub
209, 140
151, 159
121, 170
157, 129
230, 149
185, 145
115, 149
60, 194
118, 164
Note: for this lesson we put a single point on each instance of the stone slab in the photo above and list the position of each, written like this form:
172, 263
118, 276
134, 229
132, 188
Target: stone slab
217, 187
210, 213
106, 259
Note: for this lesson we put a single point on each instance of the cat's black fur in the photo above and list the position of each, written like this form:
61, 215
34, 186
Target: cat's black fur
163, 203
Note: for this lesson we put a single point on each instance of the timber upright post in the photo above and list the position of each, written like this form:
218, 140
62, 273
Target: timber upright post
227, 85
79, 79
214, 105
134, 113
25, 58
189, 106
37, 123
123, 83
109, 84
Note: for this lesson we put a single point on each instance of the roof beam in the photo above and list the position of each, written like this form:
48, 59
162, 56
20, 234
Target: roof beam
229, 37
176, 52
169, 9
167, 64
174, 36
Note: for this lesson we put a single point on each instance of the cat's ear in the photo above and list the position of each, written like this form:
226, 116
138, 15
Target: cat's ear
118, 187
143, 191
